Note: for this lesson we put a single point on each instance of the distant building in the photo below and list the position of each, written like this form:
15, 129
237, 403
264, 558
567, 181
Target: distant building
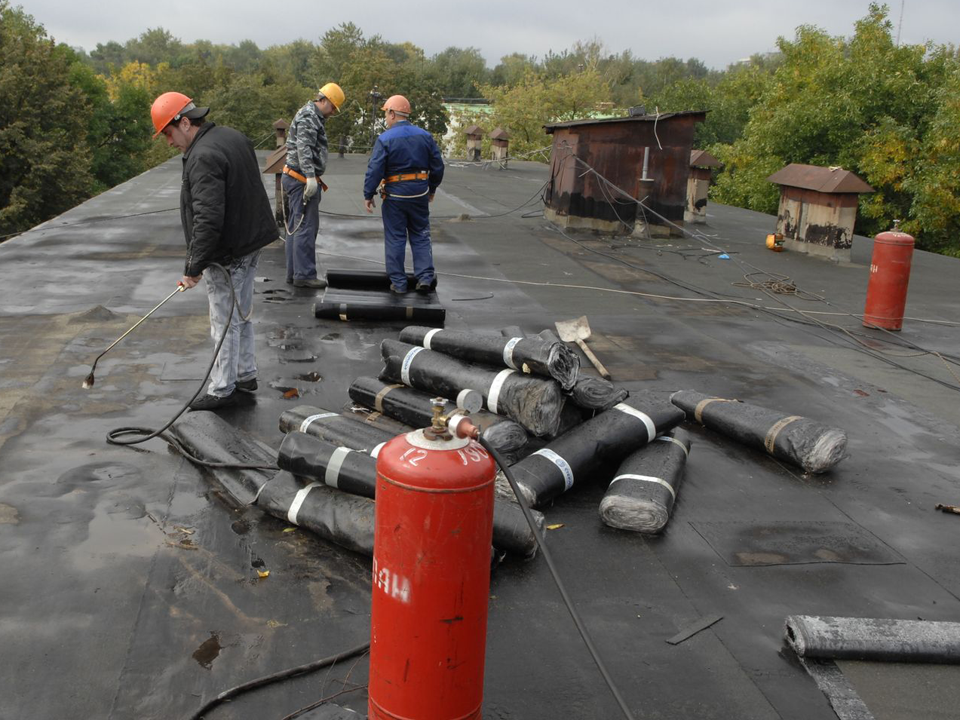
698, 185
645, 156
818, 209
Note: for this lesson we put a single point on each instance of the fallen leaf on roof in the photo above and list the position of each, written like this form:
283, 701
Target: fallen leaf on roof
556, 526
263, 574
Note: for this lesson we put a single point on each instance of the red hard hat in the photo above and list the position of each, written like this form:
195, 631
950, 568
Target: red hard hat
397, 103
170, 107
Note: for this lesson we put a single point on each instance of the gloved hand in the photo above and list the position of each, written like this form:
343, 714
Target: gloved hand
311, 189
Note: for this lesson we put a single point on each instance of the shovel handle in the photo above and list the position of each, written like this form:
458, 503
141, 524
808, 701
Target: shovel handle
593, 358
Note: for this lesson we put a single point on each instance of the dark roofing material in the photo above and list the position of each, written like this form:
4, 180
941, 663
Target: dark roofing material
635, 118
474, 130
821, 179
701, 158
499, 134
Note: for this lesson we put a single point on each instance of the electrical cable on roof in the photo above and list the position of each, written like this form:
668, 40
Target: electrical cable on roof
548, 559
826, 326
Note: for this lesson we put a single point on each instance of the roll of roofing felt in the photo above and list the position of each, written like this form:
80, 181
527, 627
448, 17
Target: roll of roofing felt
415, 408
345, 309
530, 356
377, 419
346, 520
341, 518
333, 427
644, 489
364, 279
356, 473
842, 638
339, 467
605, 438
596, 393
797, 440
533, 402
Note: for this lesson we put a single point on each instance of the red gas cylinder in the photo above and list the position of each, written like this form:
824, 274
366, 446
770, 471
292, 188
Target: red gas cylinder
889, 275
431, 577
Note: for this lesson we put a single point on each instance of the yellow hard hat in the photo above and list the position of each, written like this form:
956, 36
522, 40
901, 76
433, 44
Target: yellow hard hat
333, 93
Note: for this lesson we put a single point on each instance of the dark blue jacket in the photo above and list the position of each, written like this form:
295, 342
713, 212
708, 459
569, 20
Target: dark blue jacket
404, 148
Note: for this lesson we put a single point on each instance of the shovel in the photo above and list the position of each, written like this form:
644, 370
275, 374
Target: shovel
577, 331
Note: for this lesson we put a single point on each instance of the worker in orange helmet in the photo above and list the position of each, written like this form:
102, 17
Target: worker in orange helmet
306, 162
226, 220
407, 161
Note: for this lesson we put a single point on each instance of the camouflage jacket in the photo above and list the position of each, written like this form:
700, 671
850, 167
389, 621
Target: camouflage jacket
307, 142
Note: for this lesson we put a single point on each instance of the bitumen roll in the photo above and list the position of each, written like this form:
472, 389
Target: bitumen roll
874, 639
341, 518
607, 437
340, 306
534, 402
415, 408
645, 487
333, 427
798, 440
365, 279
593, 393
531, 356
356, 472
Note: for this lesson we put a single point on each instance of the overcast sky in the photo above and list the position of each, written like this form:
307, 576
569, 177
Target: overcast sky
716, 31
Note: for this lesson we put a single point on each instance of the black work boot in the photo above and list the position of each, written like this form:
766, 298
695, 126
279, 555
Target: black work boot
213, 402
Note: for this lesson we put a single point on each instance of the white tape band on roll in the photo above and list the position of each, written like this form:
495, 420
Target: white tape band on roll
298, 501
407, 360
493, 395
651, 428
454, 422
429, 336
320, 416
667, 438
646, 478
376, 450
333, 467
508, 352
561, 464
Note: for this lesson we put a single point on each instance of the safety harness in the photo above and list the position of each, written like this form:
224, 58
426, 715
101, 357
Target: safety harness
402, 177
287, 170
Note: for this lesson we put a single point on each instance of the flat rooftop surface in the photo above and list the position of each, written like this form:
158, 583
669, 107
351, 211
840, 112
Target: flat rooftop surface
130, 586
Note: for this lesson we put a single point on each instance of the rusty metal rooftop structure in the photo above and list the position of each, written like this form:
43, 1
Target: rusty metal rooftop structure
820, 179
131, 587
701, 158
628, 119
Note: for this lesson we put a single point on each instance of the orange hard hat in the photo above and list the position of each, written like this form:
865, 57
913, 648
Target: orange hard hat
397, 103
170, 107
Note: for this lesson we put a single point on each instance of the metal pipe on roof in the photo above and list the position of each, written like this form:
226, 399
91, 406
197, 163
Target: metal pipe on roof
646, 163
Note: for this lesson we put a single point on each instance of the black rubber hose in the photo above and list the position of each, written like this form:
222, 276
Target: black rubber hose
143, 434
588, 641
148, 433
277, 677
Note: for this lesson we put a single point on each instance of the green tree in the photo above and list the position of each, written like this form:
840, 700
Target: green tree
536, 100
43, 121
458, 72
119, 128
864, 104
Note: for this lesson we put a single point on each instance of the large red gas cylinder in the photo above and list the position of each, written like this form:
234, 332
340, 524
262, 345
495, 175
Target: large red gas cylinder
889, 275
431, 577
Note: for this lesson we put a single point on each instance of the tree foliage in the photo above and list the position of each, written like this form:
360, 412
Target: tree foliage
865, 104
74, 123
43, 121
